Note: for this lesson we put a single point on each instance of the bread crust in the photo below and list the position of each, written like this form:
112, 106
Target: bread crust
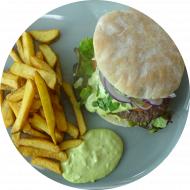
136, 55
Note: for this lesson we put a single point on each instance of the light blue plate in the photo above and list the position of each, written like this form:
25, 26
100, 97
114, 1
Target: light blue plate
142, 152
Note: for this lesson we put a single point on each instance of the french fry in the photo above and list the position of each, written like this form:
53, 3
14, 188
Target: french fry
26, 71
70, 144
14, 56
17, 95
15, 138
25, 108
40, 64
28, 47
60, 77
37, 96
35, 133
7, 113
58, 89
39, 55
72, 130
42, 112
20, 49
21, 149
46, 163
60, 119
1, 97
10, 80
47, 105
5, 87
16, 109
30, 151
48, 36
55, 99
39, 143
48, 54
80, 120
40, 124
36, 104
22, 81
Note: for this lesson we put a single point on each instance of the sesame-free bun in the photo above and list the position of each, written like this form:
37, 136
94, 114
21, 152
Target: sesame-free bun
136, 55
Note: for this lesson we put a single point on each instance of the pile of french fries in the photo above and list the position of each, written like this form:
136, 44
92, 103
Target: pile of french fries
32, 104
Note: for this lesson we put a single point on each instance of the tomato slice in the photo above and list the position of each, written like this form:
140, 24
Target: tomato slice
94, 64
144, 106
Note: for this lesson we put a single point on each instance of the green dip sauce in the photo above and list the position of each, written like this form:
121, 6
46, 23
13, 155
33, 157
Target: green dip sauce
96, 157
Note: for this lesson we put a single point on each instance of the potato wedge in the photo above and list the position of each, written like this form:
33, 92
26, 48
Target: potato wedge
15, 138
35, 133
26, 71
42, 112
16, 109
48, 36
46, 163
20, 49
21, 149
14, 56
1, 97
70, 144
22, 81
7, 113
30, 151
80, 120
39, 143
72, 130
48, 54
25, 108
47, 105
58, 71
5, 87
40, 124
28, 47
55, 99
10, 80
39, 55
36, 104
60, 119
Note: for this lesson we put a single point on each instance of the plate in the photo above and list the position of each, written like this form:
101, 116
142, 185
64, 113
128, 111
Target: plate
142, 152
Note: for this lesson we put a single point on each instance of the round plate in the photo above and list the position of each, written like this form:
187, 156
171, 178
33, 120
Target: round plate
142, 152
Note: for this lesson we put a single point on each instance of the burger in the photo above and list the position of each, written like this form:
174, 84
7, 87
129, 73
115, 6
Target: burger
128, 71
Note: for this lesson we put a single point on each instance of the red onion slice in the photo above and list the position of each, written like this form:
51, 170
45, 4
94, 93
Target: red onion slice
139, 105
114, 94
101, 77
173, 95
153, 102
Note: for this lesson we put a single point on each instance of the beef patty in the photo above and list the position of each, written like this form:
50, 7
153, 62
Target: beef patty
143, 116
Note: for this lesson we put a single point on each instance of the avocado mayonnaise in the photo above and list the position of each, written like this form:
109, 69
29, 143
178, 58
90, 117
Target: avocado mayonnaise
96, 157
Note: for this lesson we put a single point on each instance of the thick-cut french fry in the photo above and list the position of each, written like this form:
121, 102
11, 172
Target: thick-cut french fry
21, 149
7, 113
58, 71
1, 97
22, 81
47, 105
80, 120
40, 64
39, 55
10, 80
20, 49
15, 138
30, 151
37, 96
16, 109
26, 71
72, 130
55, 99
28, 47
25, 108
14, 56
35, 133
36, 104
70, 144
46, 163
48, 54
5, 87
40, 123
39, 143
48, 36
60, 119
17, 95
42, 112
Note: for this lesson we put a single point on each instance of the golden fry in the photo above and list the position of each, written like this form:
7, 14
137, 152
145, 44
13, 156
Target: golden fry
17, 95
72, 130
42, 112
21, 149
46, 163
58, 71
39, 143
39, 55
60, 119
55, 99
10, 80
47, 105
26, 71
70, 144
35, 133
48, 54
15, 138
1, 97
36, 104
48, 36
30, 151
28, 47
5, 87
25, 108
20, 49
14, 56
80, 120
